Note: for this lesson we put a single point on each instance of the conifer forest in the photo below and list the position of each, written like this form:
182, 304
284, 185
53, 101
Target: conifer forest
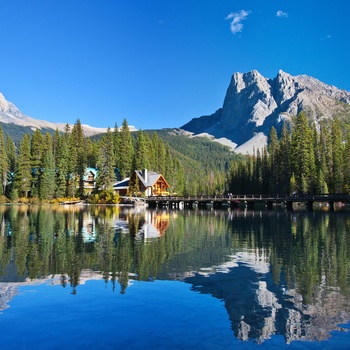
303, 158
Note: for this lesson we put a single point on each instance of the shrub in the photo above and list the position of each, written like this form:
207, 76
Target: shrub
104, 197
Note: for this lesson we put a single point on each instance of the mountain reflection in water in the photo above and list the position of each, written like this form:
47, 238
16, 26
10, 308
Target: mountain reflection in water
276, 272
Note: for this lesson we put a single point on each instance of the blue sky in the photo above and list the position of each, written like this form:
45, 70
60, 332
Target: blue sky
159, 63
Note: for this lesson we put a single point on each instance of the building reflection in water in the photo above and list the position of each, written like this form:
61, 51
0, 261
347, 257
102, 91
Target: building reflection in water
275, 273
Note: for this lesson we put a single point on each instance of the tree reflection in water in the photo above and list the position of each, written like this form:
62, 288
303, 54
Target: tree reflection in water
276, 272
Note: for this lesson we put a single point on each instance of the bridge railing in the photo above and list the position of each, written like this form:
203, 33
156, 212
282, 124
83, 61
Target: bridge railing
262, 197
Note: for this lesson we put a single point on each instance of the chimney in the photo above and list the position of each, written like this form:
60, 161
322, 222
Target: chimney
145, 175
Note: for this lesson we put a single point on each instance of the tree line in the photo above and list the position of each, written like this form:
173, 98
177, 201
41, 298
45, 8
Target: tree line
47, 167
305, 158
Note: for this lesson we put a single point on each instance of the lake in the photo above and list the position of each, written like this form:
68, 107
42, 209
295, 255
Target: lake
106, 277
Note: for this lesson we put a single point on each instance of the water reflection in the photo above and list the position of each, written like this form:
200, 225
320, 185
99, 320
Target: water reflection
276, 272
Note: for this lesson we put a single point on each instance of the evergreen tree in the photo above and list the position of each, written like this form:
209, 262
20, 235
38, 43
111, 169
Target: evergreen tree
283, 163
72, 158
56, 142
3, 164
141, 160
169, 164
91, 153
11, 163
325, 151
125, 150
293, 184
302, 154
11, 154
78, 142
273, 158
116, 135
47, 177
161, 156
154, 159
106, 175
179, 181
346, 158
321, 186
23, 174
37, 148
337, 158
62, 168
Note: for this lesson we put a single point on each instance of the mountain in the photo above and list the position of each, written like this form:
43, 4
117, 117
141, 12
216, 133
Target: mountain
254, 103
10, 114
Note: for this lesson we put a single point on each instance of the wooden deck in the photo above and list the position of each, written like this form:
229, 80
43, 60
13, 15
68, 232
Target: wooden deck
249, 201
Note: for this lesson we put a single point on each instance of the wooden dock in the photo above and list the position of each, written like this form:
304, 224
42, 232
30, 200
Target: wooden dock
248, 201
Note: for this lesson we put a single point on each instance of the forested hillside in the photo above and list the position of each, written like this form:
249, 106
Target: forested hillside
16, 132
47, 167
303, 159
205, 162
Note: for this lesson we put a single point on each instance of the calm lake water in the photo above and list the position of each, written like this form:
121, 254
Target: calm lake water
89, 277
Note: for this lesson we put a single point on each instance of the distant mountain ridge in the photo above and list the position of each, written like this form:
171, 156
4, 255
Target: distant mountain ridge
9, 113
254, 103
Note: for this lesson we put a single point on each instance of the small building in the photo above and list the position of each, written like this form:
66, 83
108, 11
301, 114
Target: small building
142, 182
122, 187
89, 180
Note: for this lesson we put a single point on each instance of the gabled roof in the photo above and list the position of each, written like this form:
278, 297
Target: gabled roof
123, 184
152, 177
88, 171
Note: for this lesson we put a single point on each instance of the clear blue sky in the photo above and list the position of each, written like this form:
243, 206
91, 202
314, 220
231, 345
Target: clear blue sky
160, 63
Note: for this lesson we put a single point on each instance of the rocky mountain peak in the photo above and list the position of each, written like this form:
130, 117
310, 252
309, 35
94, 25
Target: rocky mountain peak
254, 103
7, 108
9, 113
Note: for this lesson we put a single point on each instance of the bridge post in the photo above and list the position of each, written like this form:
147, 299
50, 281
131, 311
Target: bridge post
251, 205
269, 205
310, 205
331, 205
289, 205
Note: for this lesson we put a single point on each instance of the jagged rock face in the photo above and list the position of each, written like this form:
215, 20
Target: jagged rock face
254, 103
8, 110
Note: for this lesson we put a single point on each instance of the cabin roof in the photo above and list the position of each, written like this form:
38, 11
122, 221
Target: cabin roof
152, 177
88, 171
123, 184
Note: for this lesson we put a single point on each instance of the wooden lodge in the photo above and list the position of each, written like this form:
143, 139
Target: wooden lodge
142, 183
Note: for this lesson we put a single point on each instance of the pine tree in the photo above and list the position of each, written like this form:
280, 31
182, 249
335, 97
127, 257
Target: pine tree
56, 142
141, 160
337, 157
283, 163
62, 168
91, 153
302, 154
47, 176
169, 165
321, 186
116, 136
78, 142
179, 183
125, 150
325, 152
346, 158
3, 164
273, 149
72, 158
23, 174
106, 175
161, 157
37, 148
11, 163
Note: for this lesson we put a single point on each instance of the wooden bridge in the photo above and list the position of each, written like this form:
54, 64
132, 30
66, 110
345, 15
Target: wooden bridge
248, 201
